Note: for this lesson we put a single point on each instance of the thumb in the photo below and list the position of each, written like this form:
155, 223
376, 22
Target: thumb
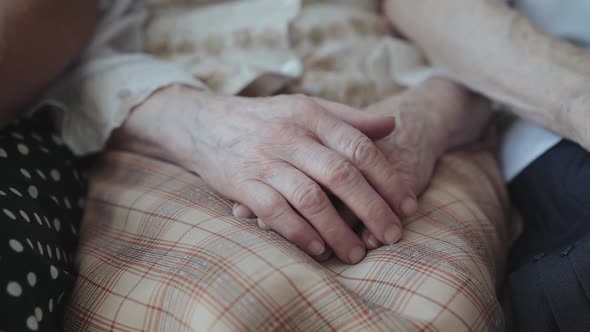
375, 126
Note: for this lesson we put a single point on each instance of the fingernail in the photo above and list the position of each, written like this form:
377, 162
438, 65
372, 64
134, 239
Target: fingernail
263, 225
315, 248
392, 235
356, 255
373, 241
327, 254
409, 206
240, 211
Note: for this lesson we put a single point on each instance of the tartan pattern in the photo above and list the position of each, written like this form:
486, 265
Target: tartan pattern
160, 251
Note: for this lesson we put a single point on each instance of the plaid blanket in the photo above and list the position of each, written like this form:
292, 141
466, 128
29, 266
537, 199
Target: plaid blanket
160, 251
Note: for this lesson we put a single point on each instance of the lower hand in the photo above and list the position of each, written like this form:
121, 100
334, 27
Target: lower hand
432, 118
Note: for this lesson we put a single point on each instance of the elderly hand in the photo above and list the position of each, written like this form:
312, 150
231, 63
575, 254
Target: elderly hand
278, 156
431, 118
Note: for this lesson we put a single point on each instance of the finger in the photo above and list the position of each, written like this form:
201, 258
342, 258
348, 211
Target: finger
325, 256
375, 126
242, 211
310, 200
346, 182
263, 225
370, 240
366, 156
274, 211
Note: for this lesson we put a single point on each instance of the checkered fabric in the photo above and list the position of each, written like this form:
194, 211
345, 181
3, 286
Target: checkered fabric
160, 251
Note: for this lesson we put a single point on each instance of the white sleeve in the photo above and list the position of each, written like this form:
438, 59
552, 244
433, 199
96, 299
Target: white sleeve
112, 76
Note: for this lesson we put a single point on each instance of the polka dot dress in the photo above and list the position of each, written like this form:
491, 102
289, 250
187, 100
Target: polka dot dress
41, 201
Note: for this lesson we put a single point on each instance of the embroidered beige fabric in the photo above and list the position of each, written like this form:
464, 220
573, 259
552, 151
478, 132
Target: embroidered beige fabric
339, 50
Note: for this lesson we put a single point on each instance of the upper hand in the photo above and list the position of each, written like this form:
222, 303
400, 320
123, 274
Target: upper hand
278, 156
430, 118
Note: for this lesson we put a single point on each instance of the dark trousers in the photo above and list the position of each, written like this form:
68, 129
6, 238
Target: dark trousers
550, 264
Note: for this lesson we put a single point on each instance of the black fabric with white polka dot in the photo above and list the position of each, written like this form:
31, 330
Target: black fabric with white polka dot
41, 201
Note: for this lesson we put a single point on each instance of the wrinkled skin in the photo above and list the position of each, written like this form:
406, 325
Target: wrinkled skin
431, 118
279, 156
499, 53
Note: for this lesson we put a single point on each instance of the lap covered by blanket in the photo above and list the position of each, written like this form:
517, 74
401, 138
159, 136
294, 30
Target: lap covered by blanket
161, 251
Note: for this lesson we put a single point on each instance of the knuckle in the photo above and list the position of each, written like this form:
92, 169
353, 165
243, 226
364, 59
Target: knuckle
304, 104
341, 172
275, 129
310, 198
396, 179
391, 180
271, 210
279, 212
280, 132
364, 151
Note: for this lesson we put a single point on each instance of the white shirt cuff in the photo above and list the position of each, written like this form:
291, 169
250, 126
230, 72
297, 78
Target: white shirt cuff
97, 98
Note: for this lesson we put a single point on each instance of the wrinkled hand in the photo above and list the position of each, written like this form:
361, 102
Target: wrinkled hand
279, 156
411, 150
431, 118
415, 146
